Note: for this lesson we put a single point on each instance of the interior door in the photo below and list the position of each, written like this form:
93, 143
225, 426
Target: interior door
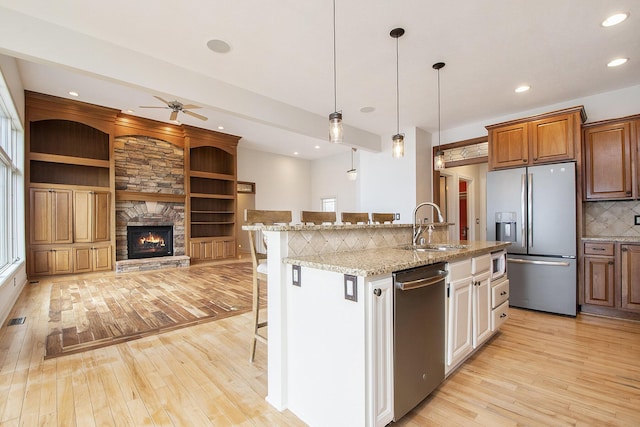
245, 201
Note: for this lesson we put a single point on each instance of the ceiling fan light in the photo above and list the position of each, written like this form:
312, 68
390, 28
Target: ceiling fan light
335, 127
397, 149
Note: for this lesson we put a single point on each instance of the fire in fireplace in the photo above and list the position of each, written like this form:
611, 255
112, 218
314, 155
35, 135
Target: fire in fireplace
145, 241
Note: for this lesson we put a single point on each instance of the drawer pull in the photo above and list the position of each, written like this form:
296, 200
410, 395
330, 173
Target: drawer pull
503, 293
598, 249
503, 315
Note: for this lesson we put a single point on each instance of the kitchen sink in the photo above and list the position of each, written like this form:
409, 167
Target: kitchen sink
434, 247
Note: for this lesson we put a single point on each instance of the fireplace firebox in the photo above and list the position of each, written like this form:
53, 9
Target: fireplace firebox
145, 241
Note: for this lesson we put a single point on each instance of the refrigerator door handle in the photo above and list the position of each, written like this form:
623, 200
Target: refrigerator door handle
530, 210
527, 261
522, 205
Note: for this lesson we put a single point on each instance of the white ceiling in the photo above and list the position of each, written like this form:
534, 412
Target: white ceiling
275, 86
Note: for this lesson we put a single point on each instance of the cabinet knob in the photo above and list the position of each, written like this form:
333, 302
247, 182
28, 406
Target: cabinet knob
610, 263
624, 249
377, 292
524, 160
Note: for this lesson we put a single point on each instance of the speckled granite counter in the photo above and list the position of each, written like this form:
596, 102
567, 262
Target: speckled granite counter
371, 262
623, 239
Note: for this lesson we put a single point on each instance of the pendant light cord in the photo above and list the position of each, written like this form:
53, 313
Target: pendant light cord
439, 131
335, 84
397, 86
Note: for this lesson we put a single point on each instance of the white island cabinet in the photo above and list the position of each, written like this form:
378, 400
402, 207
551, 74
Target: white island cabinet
339, 348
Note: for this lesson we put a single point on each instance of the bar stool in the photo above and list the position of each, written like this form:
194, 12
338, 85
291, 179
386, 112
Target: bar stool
317, 218
260, 270
381, 218
354, 217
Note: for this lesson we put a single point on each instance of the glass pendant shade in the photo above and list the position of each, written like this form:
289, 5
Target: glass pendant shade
335, 128
352, 174
438, 161
397, 149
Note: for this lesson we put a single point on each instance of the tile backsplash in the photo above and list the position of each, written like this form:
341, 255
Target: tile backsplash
610, 219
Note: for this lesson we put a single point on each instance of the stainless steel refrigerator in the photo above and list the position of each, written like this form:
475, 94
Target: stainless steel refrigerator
535, 209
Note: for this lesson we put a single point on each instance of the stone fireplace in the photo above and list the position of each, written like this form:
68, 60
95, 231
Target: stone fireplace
149, 198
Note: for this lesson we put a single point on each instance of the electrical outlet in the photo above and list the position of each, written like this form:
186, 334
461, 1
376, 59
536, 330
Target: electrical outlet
295, 276
397, 217
350, 287
636, 219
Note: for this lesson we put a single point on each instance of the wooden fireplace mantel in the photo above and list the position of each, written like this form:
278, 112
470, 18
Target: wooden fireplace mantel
123, 195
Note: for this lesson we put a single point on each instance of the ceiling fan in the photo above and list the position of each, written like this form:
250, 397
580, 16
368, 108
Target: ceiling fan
177, 107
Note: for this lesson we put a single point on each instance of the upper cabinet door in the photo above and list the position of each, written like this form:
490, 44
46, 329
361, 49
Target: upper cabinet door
553, 139
608, 160
509, 146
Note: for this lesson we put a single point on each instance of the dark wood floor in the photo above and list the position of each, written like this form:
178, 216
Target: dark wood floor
96, 310
540, 370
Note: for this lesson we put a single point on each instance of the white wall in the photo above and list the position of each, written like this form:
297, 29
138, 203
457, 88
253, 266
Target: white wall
602, 106
282, 183
388, 184
13, 280
329, 179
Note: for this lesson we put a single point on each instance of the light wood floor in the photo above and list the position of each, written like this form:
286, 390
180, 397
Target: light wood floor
540, 370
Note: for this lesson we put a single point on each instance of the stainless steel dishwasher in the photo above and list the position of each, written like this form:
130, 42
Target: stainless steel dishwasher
418, 323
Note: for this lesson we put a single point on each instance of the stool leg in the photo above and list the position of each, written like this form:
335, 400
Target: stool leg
255, 313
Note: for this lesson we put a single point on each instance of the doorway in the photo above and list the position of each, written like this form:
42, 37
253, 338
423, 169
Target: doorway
246, 200
463, 209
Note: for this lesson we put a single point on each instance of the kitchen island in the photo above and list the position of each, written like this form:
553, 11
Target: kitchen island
324, 330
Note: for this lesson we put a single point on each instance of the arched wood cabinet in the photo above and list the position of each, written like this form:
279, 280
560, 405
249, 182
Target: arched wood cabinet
211, 181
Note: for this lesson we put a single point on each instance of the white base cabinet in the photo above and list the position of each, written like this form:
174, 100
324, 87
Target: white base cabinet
471, 313
340, 351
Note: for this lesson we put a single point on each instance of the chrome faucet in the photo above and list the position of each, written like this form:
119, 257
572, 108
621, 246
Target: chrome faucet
417, 228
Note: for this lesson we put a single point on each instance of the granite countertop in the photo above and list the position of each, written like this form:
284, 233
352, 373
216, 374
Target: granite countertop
372, 262
305, 227
629, 239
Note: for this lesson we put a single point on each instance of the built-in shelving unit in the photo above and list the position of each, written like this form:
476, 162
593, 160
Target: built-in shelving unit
69, 186
211, 171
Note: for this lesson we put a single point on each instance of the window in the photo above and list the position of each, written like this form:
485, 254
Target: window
329, 204
11, 182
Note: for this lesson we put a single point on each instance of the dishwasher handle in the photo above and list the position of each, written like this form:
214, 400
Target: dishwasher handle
420, 283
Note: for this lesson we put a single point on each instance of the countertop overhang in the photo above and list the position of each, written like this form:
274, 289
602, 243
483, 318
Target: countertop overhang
373, 262
628, 239
310, 227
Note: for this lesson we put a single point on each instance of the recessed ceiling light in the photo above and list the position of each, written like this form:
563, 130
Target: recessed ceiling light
522, 88
367, 109
73, 93
218, 46
220, 127
617, 62
317, 147
614, 19
130, 111
295, 153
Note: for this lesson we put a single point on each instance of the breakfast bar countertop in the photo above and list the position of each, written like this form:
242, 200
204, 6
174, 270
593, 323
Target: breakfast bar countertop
372, 262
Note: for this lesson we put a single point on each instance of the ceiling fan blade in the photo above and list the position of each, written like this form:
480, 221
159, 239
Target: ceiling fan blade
163, 100
174, 115
147, 106
190, 106
197, 116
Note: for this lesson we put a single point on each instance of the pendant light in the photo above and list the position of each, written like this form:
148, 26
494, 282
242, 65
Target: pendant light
397, 149
438, 161
352, 173
335, 118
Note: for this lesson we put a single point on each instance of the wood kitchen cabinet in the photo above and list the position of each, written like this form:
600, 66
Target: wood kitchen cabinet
609, 157
599, 277
611, 279
630, 280
546, 138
